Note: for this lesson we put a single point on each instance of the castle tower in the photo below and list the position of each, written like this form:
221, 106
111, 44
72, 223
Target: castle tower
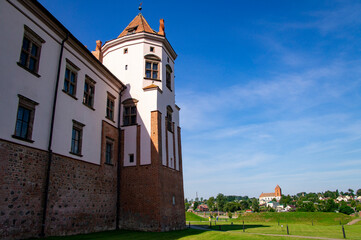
278, 191
151, 173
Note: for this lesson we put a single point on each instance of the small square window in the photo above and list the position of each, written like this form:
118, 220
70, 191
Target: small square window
151, 49
126, 67
125, 50
168, 59
70, 78
131, 158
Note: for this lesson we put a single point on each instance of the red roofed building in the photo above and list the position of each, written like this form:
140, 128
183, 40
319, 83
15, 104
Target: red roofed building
266, 197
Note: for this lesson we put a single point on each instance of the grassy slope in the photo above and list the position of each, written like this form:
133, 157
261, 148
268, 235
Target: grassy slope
194, 217
318, 218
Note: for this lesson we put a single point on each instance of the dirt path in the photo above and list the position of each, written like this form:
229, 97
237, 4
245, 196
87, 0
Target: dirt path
354, 221
266, 234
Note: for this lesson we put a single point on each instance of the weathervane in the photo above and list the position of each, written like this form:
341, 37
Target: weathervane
140, 6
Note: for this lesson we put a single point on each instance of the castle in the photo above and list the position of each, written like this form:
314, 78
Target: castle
89, 141
266, 197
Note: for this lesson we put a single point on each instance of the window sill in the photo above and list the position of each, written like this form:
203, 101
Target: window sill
27, 69
69, 94
135, 124
110, 119
22, 139
89, 106
76, 154
153, 79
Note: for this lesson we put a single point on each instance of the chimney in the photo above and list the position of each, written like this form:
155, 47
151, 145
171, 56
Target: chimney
161, 27
98, 51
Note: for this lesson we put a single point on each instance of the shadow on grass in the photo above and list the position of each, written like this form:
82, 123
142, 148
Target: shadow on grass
236, 227
133, 235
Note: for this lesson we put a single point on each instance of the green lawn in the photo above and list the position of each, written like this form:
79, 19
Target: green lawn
189, 234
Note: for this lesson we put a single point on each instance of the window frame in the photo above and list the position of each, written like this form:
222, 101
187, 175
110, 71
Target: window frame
169, 119
168, 77
128, 105
72, 68
152, 60
33, 40
77, 126
89, 94
29, 105
110, 99
109, 159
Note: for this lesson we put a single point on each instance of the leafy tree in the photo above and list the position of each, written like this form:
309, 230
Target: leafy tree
353, 203
231, 207
346, 209
210, 203
358, 192
351, 192
185, 200
187, 205
195, 206
244, 205
255, 205
229, 214
221, 201
330, 206
358, 207
306, 207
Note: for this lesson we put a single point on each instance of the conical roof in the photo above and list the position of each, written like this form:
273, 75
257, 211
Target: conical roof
137, 25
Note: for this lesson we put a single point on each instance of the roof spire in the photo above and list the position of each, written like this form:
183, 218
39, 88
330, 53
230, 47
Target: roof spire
140, 7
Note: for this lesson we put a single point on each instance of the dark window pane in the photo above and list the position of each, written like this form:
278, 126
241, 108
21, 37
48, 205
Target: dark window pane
148, 65
72, 79
65, 86
126, 121
20, 113
67, 72
23, 58
155, 66
148, 74
133, 110
18, 128
71, 89
24, 130
34, 50
32, 62
155, 75
134, 120
26, 115
26, 44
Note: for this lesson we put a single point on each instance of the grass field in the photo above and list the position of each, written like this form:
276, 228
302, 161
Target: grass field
324, 225
189, 234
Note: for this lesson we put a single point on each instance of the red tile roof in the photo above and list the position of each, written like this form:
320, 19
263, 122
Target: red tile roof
137, 25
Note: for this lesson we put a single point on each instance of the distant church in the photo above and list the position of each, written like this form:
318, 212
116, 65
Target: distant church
89, 141
266, 197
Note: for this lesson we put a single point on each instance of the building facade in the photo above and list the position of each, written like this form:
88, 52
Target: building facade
266, 197
88, 141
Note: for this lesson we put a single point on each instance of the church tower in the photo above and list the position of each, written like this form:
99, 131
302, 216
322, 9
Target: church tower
278, 192
151, 197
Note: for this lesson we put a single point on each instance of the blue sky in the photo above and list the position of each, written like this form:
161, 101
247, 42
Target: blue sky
270, 91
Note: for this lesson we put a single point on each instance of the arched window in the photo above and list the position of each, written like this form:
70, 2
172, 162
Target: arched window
152, 66
169, 118
168, 78
130, 112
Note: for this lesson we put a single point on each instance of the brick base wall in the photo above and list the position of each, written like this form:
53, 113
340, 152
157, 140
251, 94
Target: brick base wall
82, 196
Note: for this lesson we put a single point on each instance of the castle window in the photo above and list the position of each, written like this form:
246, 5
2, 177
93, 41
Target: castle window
152, 66
173, 200
110, 107
125, 50
169, 77
76, 138
24, 119
132, 30
30, 51
70, 78
151, 69
151, 49
130, 112
131, 158
109, 151
169, 119
89, 87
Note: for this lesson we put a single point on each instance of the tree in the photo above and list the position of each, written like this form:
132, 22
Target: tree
346, 209
187, 205
358, 192
229, 214
351, 192
244, 205
210, 203
221, 201
255, 205
195, 205
231, 207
